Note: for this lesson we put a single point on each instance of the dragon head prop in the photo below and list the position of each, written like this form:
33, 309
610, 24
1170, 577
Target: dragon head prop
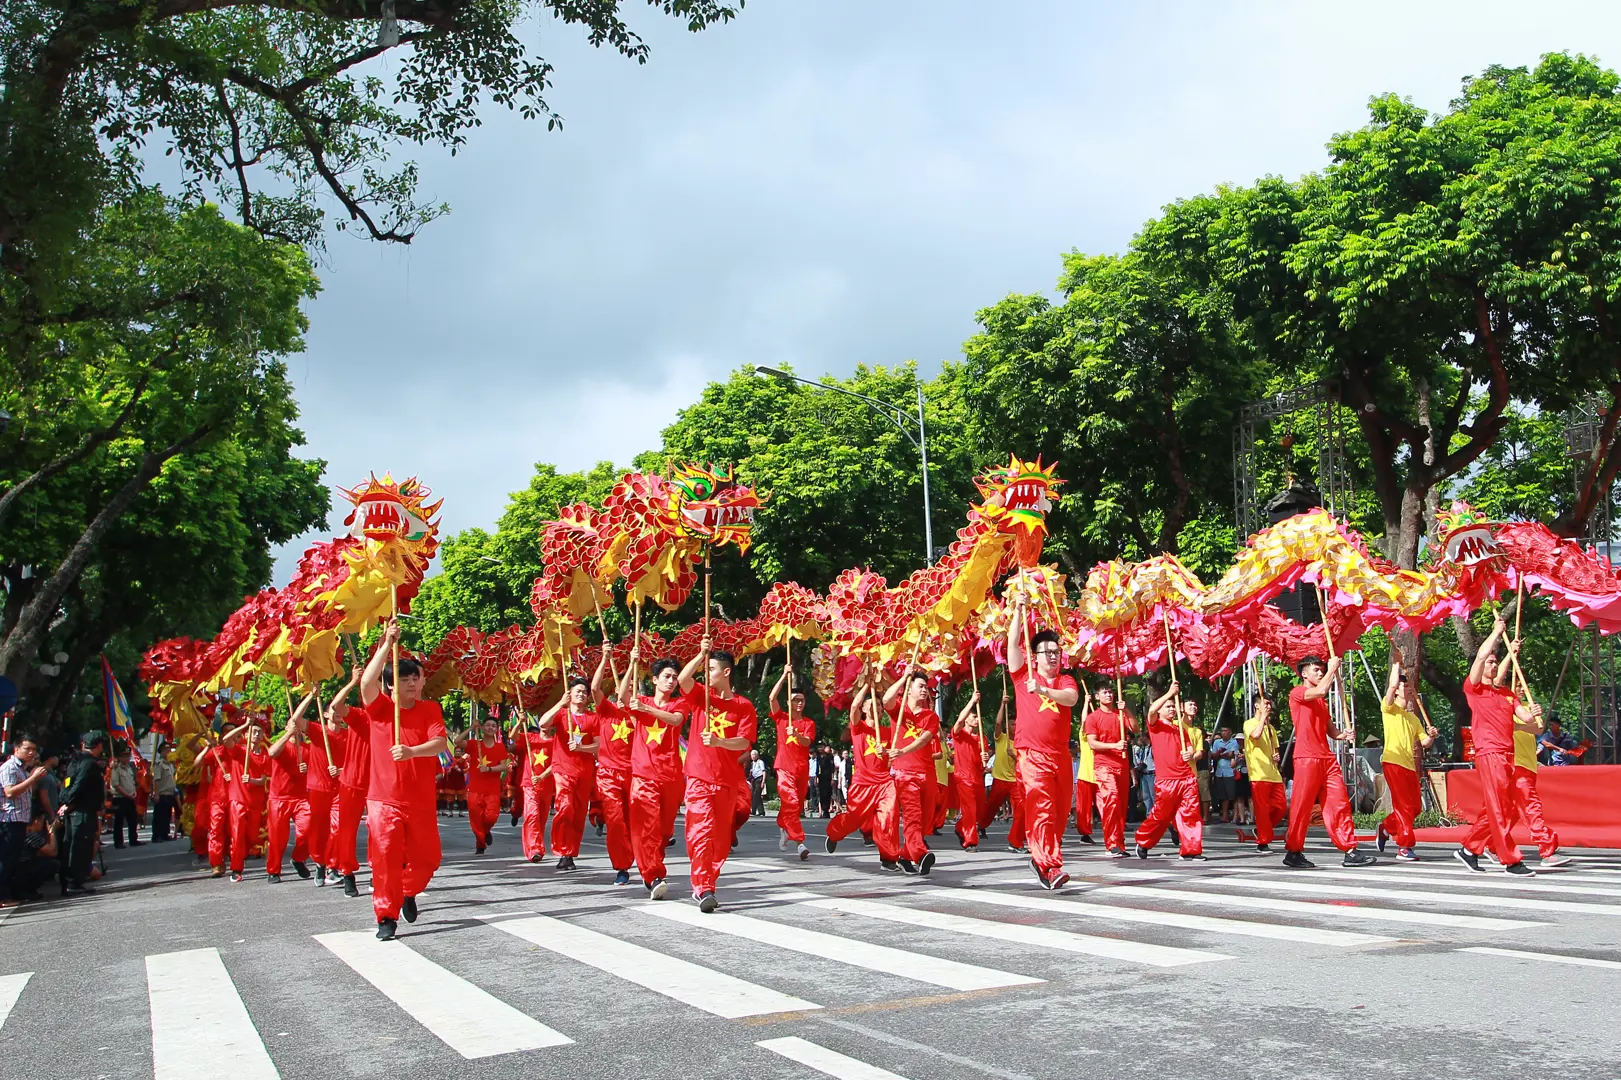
1467, 536
1017, 497
393, 513
707, 504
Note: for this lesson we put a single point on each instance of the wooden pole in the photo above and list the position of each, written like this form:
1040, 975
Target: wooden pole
979, 717
895, 735
394, 658
636, 640
704, 663
602, 624
320, 711
1514, 656
1170, 661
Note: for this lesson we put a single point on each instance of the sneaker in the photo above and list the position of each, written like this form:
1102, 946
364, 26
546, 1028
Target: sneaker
218, 871
386, 929
1555, 859
1018, 850
867, 840
536, 859
908, 866
1139, 851
782, 839
489, 838
274, 879
320, 877
1195, 857
601, 827
302, 869
1264, 849
830, 844
926, 863
236, 876
1296, 860
622, 878
707, 902
1359, 858
970, 847
1519, 869
669, 843
891, 865
658, 890
1086, 838
565, 862
804, 853
1469, 859
1057, 881
1406, 854
513, 821
479, 850
1036, 870
408, 908
1380, 838
349, 885
1118, 853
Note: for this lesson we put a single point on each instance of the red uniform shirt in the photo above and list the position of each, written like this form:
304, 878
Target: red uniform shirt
401, 783
219, 766
967, 753
356, 769
238, 773
618, 733
1166, 741
793, 742
478, 753
655, 752
318, 778
1042, 725
536, 751
919, 762
568, 729
1491, 712
287, 779
1310, 718
1105, 725
871, 766
728, 718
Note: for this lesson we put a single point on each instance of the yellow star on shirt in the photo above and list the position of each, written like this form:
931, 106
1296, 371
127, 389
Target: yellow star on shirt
1046, 704
621, 731
911, 732
873, 749
655, 732
796, 739
719, 722
540, 758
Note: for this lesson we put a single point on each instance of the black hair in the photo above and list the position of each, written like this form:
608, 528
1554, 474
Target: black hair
914, 676
121, 750
578, 680
662, 664
724, 658
409, 666
1042, 638
1300, 668
94, 739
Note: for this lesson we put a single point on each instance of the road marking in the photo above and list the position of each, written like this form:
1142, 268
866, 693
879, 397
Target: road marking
890, 1039
1039, 936
1242, 927
1554, 958
703, 988
1318, 908
199, 1025
11, 988
1466, 878
825, 1061
920, 967
471, 1022
1373, 892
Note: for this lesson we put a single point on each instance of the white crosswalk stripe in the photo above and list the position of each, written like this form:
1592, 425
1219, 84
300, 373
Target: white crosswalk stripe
1553, 958
703, 988
1241, 927
917, 966
1039, 936
1302, 884
825, 1061
470, 1021
11, 988
1320, 909
200, 1027
1543, 885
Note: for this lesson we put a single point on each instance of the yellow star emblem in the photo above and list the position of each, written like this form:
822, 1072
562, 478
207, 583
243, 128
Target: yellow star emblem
911, 732
655, 732
1046, 705
719, 722
621, 731
540, 758
873, 749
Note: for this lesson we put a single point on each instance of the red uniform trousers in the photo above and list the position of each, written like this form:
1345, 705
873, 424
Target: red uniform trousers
742, 808
258, 812
791, 802
1271, 806
613, 788
346, 834
1086, 794
710, 809
321, 803
648, 799
674, 794
912, 798
219, 831
402, 846
869, 808
939, 796
201, 809
1497, 812
285, 812
1113, 795
537, 806
483, 811
1529, 805
970, 789
568, 824
1319, 778
1405, 803
1178, 799
244, 827
1044, 777
1002, 791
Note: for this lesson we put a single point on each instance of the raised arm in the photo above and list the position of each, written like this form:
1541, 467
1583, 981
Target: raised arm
893, 694
689, 674
1393, 684
967, 710
371, 682
549, 720
774, 702
1477, 670
1159, 702
1331, 671
1015, 643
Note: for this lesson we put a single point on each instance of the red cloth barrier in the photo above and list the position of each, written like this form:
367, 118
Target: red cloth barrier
1581, 803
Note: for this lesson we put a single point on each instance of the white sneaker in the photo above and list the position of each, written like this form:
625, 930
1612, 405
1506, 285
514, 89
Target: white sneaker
782, 840
804, 853
1555, 859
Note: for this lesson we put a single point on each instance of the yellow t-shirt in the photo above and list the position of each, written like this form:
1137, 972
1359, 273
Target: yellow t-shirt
942, 772
1260, 743
1002, 761
1402, 733
1087, 773
1525, 750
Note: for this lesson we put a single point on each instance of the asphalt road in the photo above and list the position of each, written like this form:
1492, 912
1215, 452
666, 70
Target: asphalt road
1231, 968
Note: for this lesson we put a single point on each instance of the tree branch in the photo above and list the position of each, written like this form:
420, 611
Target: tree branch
1488, 423
87, 446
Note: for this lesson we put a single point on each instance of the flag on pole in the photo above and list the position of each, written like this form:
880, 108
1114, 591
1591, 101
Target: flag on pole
119, 725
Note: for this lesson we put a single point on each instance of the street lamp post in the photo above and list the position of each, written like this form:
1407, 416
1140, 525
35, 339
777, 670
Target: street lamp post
895, 415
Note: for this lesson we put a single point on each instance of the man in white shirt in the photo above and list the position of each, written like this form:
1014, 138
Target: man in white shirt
122, 780
165, 793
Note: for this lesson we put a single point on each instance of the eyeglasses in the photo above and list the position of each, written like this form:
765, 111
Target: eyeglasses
1048, 652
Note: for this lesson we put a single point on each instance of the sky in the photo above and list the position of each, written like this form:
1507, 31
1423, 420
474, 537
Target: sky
820, 184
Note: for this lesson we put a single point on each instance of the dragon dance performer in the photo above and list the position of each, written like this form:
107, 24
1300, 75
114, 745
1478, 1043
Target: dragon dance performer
354, 781
1176, 744
216, 765
1262, 756
402, 820
968, 774
575, 742
655, 766
1317, 773
723, 726
615, 738
1044, 698
939, 792
870, 805
795, 734
1527, 802
537, 789
911, 764
321, 782
245, 774
1405, 740
487, 765
1086, 786
1004, 788
289, 797
1496, 713
1106, 732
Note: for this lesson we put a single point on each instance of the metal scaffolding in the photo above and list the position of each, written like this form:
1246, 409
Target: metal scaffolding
1593, 653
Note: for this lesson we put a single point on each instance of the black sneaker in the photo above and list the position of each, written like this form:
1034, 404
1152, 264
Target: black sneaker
566, 862
622, 878
1359, 858
1380, 838
1018, 850
908, 866
320, 877
1519, 869
349, 885
1264, 849
927, 863
1086, 838
1469, 859
479, 850
891, 865
670, 843
1036, 870
657, 890
830, 844
408, 908
867, 840
274, 879
513, 821
1139, 851
1296, 860
536, 858
707, 902
1118, 853
1197, 857
386, 929
489, 838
